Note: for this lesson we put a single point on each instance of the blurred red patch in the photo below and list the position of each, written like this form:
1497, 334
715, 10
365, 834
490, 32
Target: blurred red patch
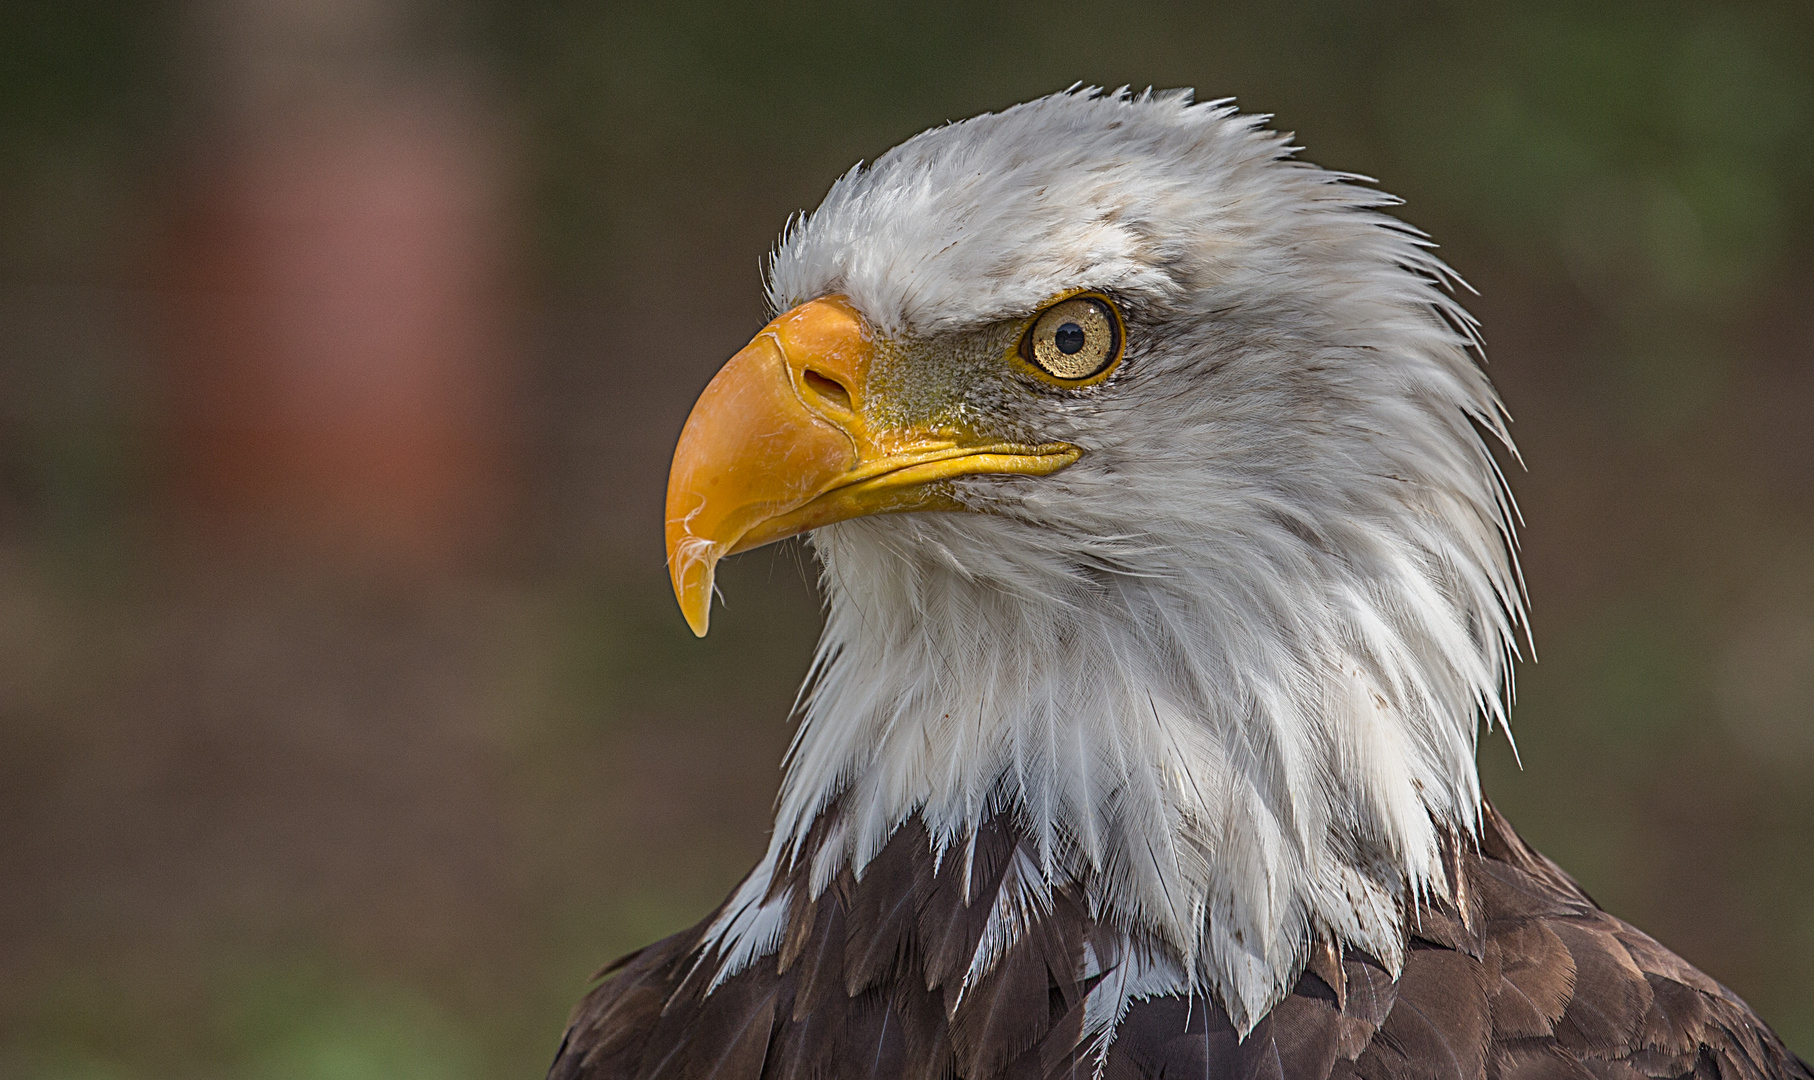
338, 339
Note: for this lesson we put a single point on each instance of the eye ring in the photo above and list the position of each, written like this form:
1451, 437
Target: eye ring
1075, 341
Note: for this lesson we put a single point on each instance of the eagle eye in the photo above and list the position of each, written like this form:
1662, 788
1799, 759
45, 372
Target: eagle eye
1075, 340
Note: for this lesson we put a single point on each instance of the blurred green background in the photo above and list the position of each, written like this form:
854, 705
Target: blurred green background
346, 722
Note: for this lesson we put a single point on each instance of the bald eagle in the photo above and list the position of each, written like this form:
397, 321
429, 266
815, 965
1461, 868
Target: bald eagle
1169, 577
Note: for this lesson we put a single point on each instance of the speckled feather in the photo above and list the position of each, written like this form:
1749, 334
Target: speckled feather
1527, 980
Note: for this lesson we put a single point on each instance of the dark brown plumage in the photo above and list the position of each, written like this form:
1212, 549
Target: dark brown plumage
1522, 977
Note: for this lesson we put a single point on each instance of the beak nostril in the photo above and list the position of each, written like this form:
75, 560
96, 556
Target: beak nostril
828, 388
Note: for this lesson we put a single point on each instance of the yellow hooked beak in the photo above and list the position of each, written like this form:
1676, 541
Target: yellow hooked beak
778, 444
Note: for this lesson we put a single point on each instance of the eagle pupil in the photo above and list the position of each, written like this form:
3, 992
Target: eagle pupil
1068, 338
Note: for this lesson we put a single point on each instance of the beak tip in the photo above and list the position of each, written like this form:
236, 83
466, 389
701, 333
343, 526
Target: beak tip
698, 621
692, 568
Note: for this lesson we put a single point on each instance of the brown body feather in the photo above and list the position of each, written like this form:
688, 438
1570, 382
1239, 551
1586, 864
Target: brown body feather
1522, 977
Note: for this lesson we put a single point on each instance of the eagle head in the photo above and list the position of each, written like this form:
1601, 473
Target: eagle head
1148, 469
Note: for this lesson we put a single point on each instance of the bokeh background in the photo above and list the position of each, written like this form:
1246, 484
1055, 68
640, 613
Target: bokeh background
346, 722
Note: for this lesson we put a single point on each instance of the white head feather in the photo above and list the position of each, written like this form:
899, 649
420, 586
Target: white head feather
1227, 669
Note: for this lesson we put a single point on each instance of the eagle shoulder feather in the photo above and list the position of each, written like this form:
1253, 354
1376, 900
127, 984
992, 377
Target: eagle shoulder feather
1519, 976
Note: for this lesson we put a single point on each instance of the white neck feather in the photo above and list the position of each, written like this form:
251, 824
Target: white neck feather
1225, 764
